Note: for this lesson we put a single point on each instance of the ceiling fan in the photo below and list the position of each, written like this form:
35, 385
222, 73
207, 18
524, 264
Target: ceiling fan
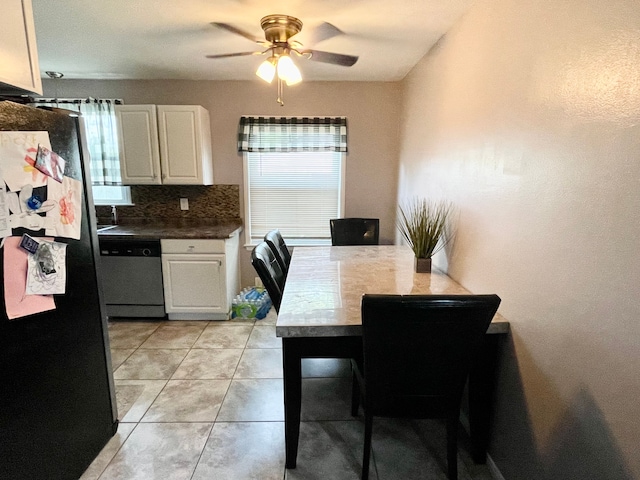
278, 30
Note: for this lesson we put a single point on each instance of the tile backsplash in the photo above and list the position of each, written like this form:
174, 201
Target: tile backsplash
220, 202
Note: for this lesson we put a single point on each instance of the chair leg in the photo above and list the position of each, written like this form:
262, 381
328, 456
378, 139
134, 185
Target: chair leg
366, 456
355, 395
452, 447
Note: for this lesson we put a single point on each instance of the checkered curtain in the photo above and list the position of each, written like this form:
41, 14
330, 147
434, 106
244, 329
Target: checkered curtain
102, 140
292, 134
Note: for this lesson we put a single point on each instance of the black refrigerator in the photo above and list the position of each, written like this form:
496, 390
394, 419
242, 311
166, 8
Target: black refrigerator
57, 398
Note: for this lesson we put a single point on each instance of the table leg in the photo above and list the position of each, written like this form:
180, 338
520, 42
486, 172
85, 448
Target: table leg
292, 374
294, 349
481, 392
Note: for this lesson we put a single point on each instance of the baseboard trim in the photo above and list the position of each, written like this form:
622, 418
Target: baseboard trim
493, 468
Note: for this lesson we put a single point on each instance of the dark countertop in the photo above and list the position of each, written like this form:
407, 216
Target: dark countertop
155, 231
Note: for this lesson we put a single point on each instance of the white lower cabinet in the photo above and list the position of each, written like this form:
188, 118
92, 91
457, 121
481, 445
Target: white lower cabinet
200, 278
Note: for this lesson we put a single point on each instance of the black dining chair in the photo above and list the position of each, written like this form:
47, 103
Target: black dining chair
418, 351
354, 231
268, 269
279, 247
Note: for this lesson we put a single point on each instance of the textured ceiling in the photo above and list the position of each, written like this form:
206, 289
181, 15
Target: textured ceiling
162, 39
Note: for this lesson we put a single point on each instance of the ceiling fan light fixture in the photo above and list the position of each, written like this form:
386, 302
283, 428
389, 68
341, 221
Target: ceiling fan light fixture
267, 70
288, 71
278, 32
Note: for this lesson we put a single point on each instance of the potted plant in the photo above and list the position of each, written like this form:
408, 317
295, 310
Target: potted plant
424, 225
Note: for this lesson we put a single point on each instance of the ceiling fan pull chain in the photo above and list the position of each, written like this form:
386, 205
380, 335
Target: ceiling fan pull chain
280, 92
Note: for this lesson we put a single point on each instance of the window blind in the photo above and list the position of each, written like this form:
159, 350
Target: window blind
293, 175
295, 192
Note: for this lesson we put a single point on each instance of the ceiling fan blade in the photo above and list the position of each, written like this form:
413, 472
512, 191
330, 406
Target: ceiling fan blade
237, 31
239, 54
328, 57
322, 32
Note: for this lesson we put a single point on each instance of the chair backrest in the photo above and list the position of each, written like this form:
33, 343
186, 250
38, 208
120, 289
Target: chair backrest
354, 231
266, 265
418, 350
276, 242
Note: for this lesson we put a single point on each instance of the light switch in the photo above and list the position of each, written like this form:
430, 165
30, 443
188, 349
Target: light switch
184, 204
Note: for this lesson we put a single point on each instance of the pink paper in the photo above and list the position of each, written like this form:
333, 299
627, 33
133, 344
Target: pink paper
15, 283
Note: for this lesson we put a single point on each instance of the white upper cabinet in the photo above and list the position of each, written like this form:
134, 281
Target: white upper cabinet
138, 144
19, 69
165, 144
185, 145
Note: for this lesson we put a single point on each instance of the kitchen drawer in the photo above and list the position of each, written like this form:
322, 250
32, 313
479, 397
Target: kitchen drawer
192, 246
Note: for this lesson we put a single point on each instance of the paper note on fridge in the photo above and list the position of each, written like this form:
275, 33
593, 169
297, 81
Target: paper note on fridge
47, 272
25, 208
50, 163
15, 280
5, 229
67, 214
18, 152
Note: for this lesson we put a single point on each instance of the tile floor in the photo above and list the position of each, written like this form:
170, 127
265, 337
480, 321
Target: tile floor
204, 400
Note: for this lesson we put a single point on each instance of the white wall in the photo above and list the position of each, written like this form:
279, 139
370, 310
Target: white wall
526, 116
372, 111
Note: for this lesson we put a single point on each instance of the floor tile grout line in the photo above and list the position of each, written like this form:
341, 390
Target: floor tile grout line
186, 355
165, 324
117, 451
234, 373
204, 446
134, 350
154, 398
181, 362
235, 370
222, 403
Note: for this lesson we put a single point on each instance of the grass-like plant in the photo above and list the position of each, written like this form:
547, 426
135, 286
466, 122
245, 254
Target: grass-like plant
424, 225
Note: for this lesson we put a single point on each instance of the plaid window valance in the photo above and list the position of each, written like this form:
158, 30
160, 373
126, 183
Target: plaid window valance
292, 134
102, 138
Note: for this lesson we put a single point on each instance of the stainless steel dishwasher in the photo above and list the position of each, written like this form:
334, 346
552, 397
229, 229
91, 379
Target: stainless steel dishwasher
131, 273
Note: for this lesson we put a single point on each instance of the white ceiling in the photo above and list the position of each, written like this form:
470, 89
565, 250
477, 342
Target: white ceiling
168, 39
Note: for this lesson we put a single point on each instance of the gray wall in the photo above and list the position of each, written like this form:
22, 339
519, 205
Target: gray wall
372, 110
526, 117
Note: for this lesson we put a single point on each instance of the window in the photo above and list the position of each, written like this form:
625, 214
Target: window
102, 142
294, 176
111, 195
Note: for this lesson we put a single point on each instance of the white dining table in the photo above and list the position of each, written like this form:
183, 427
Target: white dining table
319, 317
